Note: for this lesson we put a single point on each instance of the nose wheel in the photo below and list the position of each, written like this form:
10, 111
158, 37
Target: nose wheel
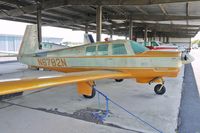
159, 89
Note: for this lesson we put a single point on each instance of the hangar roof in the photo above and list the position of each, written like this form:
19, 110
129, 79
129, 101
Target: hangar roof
173, 18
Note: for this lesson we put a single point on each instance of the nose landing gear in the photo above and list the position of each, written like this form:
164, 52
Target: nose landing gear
159, 89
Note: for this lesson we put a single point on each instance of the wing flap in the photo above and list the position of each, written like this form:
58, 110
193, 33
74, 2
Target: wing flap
18, 85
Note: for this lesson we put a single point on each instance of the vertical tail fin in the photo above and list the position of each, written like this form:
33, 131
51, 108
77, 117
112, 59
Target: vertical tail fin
29, 43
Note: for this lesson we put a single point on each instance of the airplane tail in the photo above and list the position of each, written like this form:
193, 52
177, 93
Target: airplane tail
29, 44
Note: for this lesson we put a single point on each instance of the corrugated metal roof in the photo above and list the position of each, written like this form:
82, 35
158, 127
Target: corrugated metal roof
78, 13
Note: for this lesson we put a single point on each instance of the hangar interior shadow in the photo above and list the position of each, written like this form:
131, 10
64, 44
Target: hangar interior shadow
189, 117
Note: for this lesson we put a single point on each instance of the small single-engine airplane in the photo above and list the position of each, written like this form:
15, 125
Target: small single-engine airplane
154, 45
120, 59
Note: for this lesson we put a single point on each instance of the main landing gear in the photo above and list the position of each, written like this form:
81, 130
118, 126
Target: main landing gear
119, 80
86, 89
159, 89
92, 95
91, 85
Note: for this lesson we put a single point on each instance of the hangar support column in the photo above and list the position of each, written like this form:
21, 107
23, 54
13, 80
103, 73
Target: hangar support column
160, 38
39, 30
163, 37
98, 23
39, 25
86, 29
130, 29
190, 43
154, 35
111, 32
145, 34
167, 39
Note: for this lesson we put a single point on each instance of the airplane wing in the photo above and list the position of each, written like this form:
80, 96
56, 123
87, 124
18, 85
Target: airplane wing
19, 85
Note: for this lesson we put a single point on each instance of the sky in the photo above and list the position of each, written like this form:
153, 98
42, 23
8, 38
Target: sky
197, 37
18, 28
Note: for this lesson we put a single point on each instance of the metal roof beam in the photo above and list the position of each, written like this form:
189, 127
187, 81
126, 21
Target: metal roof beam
34, 17
116, 25
170, 25
141, 10
162, 29
169, 28
15, 2
163, 9
11, 2
168, 33
153, 26
59, 3
153, 17
118, 2
21, 20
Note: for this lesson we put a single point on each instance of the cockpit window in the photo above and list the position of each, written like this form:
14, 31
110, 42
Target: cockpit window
91, 50
118, 49
102, 49
138, 48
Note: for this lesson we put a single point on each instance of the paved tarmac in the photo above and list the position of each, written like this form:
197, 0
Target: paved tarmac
189, 117
55, 110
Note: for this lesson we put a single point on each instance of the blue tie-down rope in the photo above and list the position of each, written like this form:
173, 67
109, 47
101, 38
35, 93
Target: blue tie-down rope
101, 117
98, 115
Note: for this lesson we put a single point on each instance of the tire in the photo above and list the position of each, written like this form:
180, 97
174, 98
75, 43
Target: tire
93, 94
158, 90
119, 80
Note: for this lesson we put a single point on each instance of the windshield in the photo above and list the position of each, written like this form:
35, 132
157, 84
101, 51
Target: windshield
138, 48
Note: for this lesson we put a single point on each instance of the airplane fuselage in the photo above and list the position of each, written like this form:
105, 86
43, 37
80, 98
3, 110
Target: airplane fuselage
116, 55
118, 60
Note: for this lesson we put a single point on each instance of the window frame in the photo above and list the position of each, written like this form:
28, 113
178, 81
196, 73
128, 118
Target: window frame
118, 44
95, 50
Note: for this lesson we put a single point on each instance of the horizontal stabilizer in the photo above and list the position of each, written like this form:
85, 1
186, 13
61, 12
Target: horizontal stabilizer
8, 54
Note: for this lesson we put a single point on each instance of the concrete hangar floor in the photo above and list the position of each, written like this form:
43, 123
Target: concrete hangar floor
61, 110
